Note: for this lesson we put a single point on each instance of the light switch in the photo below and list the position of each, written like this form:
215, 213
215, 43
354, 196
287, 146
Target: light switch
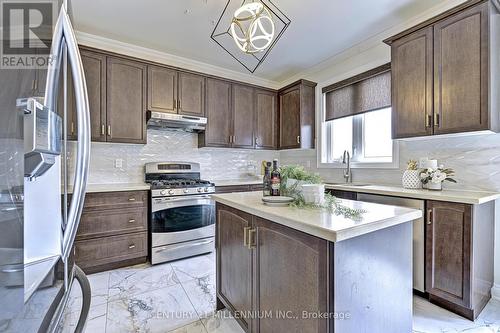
119, 163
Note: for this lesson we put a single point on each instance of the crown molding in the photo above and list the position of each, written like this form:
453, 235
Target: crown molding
316, 72
140, 52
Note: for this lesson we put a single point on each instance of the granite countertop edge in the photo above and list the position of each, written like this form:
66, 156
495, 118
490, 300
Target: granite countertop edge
458, 196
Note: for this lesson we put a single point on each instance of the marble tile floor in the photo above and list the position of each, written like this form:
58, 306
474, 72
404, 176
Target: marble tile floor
179, 297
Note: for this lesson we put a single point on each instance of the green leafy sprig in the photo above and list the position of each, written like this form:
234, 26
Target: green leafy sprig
331, 203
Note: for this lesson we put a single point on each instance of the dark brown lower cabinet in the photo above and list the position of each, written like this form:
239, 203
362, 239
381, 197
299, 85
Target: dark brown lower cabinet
112, 231
287, 285
258, 273
343, 194
459, 256
239, 188
234, 269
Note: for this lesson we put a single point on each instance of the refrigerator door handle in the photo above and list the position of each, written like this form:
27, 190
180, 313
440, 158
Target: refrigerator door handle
64, 35
79, 276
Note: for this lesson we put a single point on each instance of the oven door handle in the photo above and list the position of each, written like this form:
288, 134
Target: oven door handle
170, 248
191, 197
158, 206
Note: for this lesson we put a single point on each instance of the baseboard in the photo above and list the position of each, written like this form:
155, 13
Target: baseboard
495, 292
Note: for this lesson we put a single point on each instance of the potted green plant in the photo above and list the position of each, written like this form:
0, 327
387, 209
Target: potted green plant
292, 179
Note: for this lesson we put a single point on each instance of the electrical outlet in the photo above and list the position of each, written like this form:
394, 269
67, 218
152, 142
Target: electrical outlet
119, 163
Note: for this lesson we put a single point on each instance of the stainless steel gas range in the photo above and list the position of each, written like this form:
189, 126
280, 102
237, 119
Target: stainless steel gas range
182, 221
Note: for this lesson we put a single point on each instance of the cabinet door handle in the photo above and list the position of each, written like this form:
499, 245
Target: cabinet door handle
251, 239
245, 236
131, 199
429, 216
175, 104
103, 129
131, 221
257, 141
437, 120
428, 120
131, 246
72, 128
298, 138
109, 130
179, 104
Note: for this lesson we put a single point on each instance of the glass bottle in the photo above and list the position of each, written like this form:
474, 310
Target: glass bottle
275, 180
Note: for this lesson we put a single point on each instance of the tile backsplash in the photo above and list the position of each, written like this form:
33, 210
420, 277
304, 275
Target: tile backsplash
475, 159
165, 146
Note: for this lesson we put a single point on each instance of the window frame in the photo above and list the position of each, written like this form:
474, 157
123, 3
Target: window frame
324, 137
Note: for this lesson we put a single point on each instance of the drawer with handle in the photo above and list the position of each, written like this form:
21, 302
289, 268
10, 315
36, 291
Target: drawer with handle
112, 222
106, 250
111, 200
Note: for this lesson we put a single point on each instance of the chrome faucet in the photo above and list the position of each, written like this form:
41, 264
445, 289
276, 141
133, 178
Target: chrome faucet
346, 159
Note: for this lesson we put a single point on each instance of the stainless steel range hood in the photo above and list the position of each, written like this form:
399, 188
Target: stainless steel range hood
177, 122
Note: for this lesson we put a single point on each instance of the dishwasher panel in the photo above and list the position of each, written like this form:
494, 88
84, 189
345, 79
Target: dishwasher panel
418, 232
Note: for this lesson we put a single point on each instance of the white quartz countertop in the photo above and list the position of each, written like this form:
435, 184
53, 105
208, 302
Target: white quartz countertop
239, 181
321, 223
467, 197
114, 187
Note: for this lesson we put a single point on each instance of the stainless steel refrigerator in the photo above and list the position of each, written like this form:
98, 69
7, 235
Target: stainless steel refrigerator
38, 218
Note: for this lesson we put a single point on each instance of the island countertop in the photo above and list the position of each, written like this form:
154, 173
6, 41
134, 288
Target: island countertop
320, 222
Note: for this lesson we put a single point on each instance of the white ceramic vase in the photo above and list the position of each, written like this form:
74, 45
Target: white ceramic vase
435, 186
411, 179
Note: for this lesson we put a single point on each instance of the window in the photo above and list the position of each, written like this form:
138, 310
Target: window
367, 138
357, 118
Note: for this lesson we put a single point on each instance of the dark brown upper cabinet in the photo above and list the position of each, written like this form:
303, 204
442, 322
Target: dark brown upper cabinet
175, 92
459, 50
461, 72
126, 101
94, 66
219, 115
243, 116
191, 94
266, 119
412, 103
239, 116
162, 89
296, 115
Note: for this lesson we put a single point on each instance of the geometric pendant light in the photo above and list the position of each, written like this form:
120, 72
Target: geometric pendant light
249, 29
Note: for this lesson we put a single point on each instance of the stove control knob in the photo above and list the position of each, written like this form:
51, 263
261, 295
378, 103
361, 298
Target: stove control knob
186, 190
170, 191
206, 189
200, 189
163, 192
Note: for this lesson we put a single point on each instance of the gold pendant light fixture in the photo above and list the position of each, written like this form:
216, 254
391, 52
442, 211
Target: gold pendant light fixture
252, 27
249, 29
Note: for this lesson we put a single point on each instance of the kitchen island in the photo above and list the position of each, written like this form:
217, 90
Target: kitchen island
285, 269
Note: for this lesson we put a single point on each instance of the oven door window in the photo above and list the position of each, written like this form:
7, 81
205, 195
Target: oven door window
183, 218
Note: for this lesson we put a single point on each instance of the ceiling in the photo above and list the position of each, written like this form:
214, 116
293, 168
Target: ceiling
319, 30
